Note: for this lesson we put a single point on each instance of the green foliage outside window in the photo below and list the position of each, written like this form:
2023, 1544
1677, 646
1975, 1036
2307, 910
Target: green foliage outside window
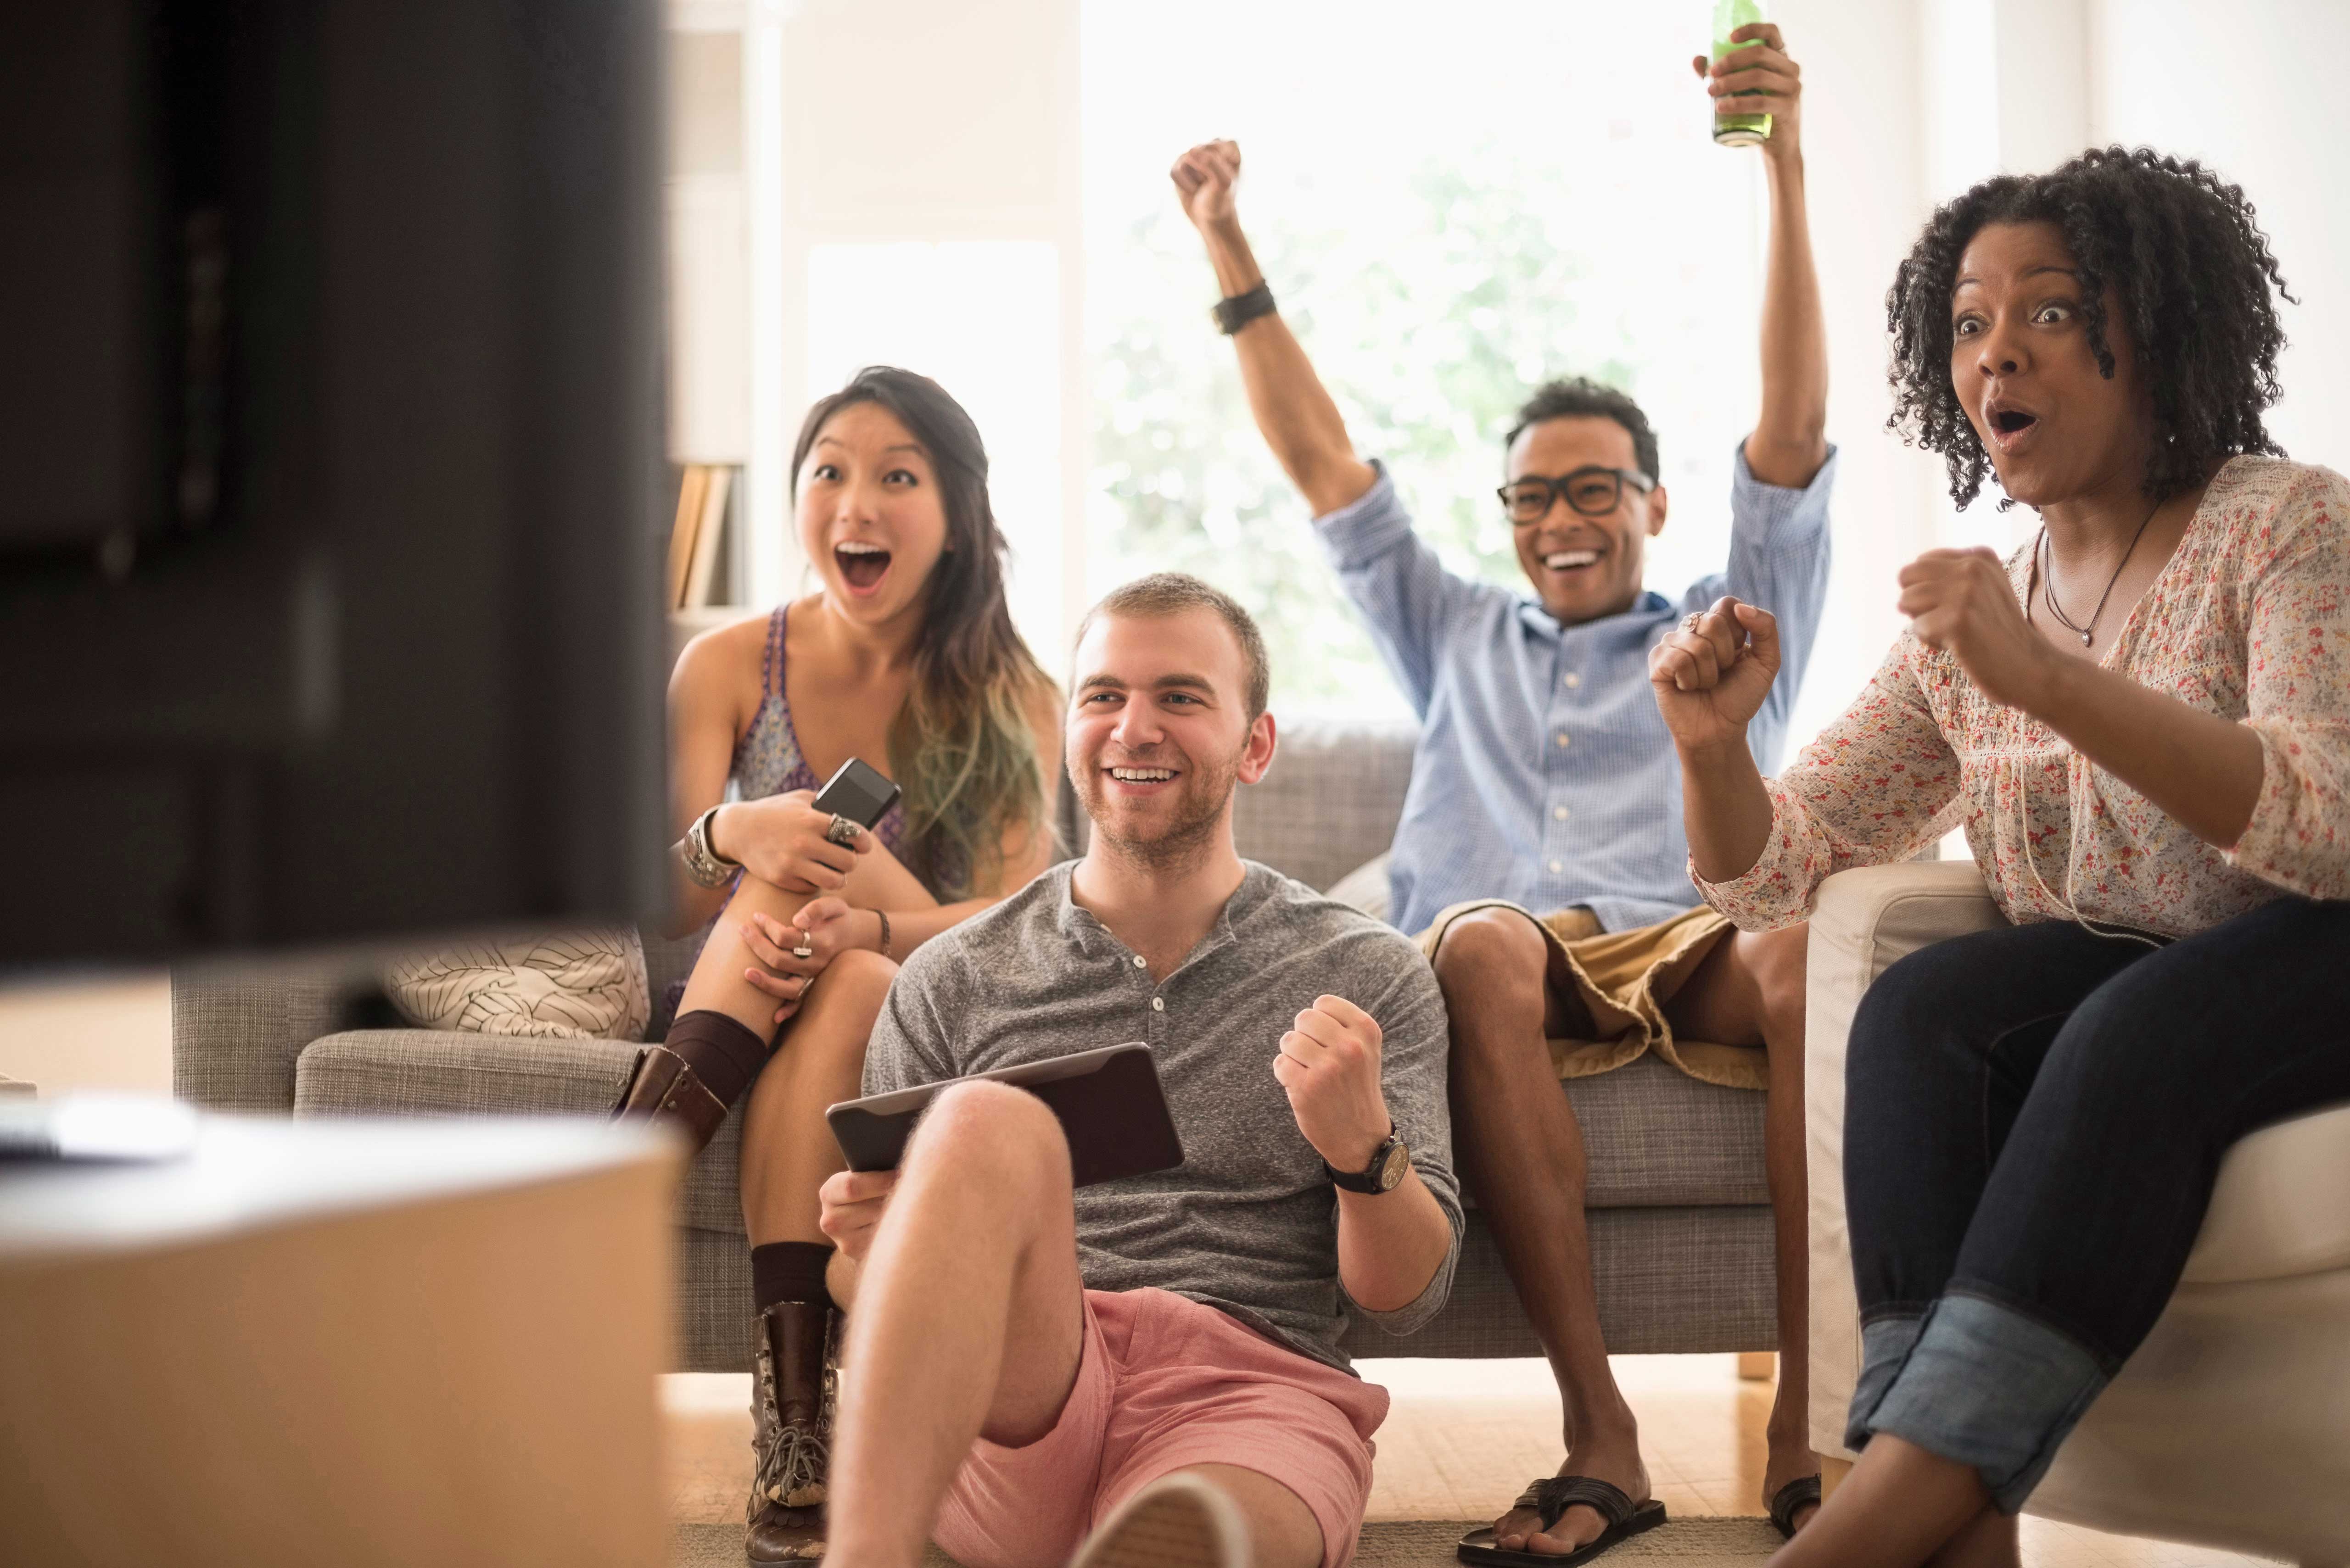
1430, 326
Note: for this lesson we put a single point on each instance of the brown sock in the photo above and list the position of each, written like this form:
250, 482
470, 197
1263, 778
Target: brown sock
724, 1052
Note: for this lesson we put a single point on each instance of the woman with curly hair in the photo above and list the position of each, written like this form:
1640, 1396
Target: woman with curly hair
2142, 720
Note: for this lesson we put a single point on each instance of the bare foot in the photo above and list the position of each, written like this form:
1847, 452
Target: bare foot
1614, 1457
1791, 1457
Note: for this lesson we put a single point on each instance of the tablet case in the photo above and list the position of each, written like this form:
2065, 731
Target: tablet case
1108, 1101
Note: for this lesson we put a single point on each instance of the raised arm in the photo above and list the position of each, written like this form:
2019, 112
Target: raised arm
1790, 439
1294, 410
1879, 784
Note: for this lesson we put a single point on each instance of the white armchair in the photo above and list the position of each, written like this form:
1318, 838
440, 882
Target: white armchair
2231, 1427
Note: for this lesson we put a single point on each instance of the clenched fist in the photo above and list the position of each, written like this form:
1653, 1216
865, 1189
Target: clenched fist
1329, 1066
1961, 602
1710, 679
1204, 178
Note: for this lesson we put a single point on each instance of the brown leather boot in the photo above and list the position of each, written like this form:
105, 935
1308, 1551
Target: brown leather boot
664, 1089
793, 1392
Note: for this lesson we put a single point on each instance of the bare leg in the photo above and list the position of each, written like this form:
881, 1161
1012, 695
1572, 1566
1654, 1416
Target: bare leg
1750, 991
1900, 1506
1989, 1541
1283, 1531
717, 983
787, 1147
983, 1217
1520, 1150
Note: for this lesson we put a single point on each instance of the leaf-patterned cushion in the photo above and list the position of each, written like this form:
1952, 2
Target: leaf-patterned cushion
583, 984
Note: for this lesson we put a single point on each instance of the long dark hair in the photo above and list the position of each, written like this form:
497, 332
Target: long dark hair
2189, 268
961, 746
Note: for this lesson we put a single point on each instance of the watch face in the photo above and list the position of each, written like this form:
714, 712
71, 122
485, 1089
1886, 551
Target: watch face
1391, 1168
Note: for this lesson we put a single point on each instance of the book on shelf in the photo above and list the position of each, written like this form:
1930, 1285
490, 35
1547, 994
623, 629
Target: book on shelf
697, 532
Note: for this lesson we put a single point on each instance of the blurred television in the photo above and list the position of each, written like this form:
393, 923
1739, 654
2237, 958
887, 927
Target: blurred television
330, 470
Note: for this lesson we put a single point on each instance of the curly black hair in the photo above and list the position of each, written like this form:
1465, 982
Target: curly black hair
2191, 271
1580, 396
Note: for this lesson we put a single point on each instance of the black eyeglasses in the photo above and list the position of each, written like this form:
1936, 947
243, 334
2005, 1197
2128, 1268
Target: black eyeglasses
1594, 492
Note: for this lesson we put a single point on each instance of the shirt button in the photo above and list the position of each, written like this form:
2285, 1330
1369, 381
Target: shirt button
1562, 737
1573, 679
1139, 962
1158, 1004
1555, 868
1558, 812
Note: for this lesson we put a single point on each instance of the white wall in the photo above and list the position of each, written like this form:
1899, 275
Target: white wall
1865, 162
930, 121
2253, 90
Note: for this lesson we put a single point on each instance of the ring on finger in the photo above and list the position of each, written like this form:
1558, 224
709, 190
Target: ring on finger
1690, 621
842, 831
804, 951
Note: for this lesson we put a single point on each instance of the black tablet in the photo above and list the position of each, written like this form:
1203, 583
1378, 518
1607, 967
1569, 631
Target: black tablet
1108, 1101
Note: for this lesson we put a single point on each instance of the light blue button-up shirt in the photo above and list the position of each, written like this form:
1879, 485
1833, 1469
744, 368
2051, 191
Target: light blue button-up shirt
1544, 774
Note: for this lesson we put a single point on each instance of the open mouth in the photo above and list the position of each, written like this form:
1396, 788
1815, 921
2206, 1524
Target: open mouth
2007, 423
1140, 778
1571, 560
861, 564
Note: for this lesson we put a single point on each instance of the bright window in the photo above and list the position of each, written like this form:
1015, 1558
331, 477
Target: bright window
1450, 209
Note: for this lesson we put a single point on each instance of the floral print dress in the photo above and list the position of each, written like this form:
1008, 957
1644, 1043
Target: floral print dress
2248, 620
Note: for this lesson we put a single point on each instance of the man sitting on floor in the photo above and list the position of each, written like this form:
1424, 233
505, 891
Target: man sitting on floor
1153, 1361
1545, 781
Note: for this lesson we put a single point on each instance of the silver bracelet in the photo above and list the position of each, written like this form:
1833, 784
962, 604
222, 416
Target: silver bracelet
704, 865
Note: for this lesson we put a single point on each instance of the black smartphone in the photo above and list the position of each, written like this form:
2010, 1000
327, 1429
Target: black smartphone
1108, 1101
858, 792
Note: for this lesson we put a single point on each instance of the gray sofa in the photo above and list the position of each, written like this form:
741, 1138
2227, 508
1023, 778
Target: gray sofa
1680, 1223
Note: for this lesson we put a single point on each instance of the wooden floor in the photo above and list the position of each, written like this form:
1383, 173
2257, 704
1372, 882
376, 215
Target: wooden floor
1463, 1438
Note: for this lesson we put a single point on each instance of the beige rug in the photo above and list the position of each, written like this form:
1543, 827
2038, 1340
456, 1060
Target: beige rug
1689, 1542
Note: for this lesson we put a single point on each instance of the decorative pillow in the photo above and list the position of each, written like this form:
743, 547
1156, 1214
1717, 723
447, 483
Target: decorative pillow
1366, 888
585, 984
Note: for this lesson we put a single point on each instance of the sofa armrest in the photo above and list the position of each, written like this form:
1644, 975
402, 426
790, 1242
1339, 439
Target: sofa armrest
1862, 922
238, 1027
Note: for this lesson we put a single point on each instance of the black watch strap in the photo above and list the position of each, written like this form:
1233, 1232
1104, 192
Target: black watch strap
1238, 311
1384, 1172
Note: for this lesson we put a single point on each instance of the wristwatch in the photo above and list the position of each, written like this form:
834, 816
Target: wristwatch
1384, 1172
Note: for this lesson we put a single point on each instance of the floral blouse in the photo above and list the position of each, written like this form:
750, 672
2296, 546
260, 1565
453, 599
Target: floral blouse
2249, 620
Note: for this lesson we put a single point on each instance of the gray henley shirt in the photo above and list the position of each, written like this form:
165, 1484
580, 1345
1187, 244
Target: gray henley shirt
1248, 1223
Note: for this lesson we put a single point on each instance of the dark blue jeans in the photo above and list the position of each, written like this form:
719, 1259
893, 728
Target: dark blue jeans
2033, 1120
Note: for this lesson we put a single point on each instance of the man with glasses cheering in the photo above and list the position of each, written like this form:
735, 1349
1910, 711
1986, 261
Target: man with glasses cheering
1545, 781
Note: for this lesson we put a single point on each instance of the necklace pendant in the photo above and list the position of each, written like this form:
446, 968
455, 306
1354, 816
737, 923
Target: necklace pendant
2087, 638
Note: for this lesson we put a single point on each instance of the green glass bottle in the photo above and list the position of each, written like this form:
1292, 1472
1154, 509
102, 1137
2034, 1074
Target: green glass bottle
1737, 129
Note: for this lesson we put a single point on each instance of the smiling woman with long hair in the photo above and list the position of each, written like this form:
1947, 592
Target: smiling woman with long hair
905, 656
2141, 719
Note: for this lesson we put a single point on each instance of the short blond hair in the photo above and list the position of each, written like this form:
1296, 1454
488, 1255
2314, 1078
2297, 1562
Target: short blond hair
1172, 593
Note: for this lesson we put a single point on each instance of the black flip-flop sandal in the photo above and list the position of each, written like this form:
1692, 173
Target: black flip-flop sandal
1803, 1492
1552, 1496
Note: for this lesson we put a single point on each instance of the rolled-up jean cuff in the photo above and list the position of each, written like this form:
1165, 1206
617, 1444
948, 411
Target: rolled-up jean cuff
1885, 1345
1987, 1387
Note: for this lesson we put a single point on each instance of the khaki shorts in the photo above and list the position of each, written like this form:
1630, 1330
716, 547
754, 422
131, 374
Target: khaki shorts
1623, 980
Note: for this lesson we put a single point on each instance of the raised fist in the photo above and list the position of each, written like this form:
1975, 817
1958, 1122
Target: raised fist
1329, 1066
1711, 673
1204, 178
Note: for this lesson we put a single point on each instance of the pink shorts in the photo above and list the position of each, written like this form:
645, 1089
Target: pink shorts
1165, 1384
